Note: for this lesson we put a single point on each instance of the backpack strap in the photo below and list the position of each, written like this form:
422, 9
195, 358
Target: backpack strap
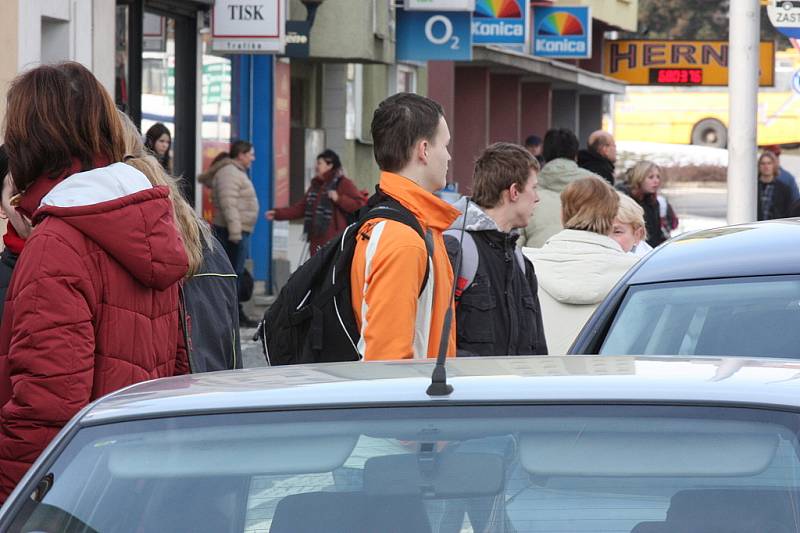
469, 260
391, 209
520, 259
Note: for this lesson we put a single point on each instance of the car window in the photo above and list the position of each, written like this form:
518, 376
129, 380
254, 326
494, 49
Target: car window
733, 317
524, 468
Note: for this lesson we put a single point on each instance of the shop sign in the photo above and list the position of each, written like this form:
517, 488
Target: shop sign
785, 16
440, 5
500, 22
433, 35
562, 32
249, 26
154, 33
655, 62
297, 38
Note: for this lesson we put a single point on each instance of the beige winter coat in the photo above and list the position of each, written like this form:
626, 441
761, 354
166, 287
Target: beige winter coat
546, 219
234, 197
576, 270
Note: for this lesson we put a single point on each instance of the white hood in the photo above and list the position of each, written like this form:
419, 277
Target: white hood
97, 186
579, 267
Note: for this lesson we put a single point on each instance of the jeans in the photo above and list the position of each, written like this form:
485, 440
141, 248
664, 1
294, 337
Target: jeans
237, 251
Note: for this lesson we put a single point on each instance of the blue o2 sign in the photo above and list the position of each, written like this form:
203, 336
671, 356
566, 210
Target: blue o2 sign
433, 35
500, 22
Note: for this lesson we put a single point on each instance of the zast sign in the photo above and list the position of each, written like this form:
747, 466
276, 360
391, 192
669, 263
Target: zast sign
646, 62
249, 26
785, 16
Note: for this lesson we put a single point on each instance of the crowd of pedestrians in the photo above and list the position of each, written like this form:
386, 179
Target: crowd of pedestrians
110, 277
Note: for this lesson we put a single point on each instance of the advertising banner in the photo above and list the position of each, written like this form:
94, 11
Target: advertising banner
500, 22
433, 35
440, 5
660, 62
249, 28
562, 32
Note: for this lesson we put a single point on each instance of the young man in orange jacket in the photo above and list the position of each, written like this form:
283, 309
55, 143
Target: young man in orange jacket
410, 138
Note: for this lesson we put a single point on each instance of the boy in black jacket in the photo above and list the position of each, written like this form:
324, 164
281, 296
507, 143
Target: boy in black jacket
497, 306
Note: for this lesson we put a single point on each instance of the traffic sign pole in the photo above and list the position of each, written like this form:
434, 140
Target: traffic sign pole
743, 90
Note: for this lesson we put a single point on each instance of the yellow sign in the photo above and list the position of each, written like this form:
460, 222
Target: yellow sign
646, 62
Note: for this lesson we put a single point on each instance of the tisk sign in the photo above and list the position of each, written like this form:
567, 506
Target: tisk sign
645, 62
249, 26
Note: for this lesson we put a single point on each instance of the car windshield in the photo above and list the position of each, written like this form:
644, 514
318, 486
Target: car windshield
752, 317
523, 468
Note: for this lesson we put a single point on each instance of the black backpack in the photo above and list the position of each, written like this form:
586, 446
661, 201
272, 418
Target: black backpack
312, 320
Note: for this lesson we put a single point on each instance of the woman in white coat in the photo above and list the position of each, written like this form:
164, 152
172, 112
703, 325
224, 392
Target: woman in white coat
578, 266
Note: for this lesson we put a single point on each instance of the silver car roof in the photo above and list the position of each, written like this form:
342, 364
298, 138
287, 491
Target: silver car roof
594, 379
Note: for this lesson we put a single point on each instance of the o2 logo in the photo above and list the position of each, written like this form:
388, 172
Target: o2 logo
439, 31
440, 35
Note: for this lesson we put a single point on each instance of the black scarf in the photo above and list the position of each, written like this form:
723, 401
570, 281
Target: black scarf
316, 221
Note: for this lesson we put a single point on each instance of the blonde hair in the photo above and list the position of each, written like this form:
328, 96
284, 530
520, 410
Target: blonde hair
630, 212
637, 174
589, 204
192, 228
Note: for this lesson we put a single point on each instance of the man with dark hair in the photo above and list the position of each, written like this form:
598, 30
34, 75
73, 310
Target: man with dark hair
533, 143
600, 156
497, 310
560, 150
400, 294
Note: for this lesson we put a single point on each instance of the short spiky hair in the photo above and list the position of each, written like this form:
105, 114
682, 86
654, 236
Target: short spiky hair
398, 123
498, 167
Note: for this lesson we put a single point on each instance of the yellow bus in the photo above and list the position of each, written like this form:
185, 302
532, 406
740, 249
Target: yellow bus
699, 115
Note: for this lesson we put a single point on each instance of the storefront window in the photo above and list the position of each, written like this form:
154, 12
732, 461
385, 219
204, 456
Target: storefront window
158, 72
121, 96
216, 107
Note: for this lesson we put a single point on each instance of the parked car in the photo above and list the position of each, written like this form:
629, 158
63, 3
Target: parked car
731, 291
526, 444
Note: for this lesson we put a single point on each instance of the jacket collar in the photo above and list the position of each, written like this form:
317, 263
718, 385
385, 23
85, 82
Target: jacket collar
44, 184
430, 210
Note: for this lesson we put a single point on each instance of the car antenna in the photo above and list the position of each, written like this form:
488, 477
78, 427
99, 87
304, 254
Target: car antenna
439, 385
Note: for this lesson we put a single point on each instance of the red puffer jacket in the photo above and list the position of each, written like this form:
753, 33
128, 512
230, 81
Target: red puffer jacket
92, 306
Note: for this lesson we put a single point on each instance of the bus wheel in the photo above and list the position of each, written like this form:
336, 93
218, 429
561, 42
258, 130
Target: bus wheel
710, 132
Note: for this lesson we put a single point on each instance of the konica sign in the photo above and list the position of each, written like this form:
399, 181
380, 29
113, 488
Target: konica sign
499, 22
564, 32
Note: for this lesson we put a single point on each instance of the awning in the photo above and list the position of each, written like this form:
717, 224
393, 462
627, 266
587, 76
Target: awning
186, 8
531, 68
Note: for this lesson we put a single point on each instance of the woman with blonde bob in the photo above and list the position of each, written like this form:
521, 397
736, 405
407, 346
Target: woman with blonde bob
578, 266
628, 229
210, 291
93, 305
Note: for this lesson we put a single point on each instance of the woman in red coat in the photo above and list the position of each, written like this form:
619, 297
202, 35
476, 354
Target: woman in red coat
326, 204
93, 303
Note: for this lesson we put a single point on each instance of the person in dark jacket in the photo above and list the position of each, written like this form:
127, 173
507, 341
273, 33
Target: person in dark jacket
498, 312
210, 318
600, 155
326, 205
774, 198
17, 229
642, 183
